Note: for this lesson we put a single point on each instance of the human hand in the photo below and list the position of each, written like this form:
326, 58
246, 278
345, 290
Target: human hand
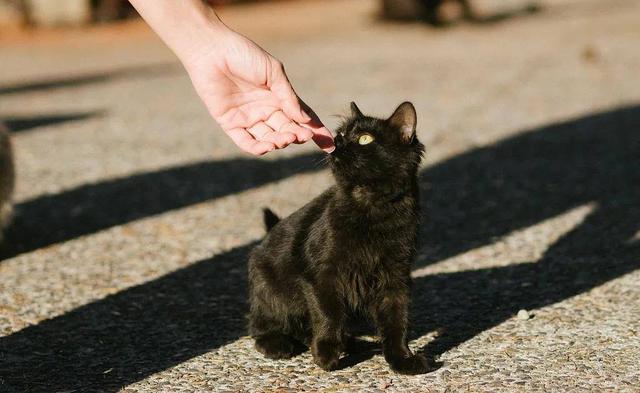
244, 88
248, 93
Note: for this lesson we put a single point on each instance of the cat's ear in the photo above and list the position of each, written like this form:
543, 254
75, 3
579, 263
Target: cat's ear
355, 111
404, 119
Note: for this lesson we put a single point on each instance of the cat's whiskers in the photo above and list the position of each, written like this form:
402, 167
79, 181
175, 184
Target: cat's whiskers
323, 162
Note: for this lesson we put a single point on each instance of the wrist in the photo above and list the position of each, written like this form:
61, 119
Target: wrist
202, 35
188, 27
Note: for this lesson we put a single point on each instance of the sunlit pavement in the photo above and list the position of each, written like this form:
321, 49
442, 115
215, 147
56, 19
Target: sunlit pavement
126, 265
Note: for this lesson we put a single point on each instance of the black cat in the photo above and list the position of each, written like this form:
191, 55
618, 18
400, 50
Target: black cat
348, 251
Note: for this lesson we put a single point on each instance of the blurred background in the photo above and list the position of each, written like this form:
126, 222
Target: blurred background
113, 99
126, 187
82, 12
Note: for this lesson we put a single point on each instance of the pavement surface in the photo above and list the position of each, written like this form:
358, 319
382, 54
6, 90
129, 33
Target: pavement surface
126, 266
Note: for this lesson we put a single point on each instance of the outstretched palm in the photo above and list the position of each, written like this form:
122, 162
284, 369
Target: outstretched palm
247, 92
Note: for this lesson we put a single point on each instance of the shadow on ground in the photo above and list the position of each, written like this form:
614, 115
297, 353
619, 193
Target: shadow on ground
128, 336
470, 199
144, 71
25, 123
87, 209
490, 192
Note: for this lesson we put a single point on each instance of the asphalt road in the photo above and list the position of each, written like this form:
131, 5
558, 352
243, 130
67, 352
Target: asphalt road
125, 268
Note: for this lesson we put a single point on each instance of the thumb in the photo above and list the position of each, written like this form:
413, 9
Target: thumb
282, 88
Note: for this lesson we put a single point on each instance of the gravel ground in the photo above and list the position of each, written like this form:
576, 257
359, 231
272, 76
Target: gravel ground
126, 266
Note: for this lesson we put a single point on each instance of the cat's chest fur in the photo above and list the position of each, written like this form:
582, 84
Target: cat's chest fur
374, 246
369, 242
376, 225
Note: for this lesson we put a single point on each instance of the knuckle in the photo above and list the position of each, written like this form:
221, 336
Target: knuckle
278, 66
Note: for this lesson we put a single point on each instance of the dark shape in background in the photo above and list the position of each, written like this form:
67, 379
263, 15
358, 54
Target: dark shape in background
51, 219
470, 199
25, 123
103, 11
430, 12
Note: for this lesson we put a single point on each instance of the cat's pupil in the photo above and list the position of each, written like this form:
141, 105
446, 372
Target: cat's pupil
365, 139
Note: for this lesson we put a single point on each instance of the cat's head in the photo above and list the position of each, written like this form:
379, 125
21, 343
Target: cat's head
370, 150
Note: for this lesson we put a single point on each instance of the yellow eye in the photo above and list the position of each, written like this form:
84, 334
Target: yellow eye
365, 139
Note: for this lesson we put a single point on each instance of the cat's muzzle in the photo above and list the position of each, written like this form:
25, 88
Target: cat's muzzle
338, 142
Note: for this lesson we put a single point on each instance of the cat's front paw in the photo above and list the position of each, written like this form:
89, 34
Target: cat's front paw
326, 354
412, 365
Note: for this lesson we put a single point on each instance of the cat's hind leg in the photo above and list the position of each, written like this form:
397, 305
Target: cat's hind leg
272, 293
278, 345
271, 337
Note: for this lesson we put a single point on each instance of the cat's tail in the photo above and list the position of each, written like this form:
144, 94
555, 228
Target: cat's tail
270, 218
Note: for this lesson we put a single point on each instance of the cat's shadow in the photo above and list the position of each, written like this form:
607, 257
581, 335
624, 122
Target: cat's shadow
359, 350
485, 194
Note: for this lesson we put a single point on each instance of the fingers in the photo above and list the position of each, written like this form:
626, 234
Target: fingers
263, 132
321, 134
281, 123
297, 110
278, 131
282, 88
324, 139
248, 143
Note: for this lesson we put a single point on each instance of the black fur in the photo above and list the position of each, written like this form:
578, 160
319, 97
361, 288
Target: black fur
347, 251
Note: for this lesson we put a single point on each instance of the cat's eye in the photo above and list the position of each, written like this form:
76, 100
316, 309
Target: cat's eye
365, 139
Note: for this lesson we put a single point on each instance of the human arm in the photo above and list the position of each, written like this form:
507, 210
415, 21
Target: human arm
245, 89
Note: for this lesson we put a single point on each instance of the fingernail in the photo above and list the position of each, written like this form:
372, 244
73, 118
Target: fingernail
330, 150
